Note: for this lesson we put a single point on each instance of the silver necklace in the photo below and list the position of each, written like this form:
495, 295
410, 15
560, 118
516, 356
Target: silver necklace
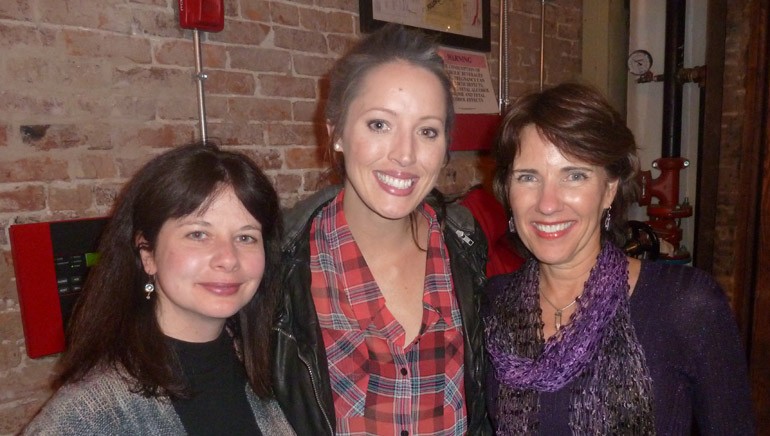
557, 315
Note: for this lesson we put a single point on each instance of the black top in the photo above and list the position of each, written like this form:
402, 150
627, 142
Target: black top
217, 381
692, 349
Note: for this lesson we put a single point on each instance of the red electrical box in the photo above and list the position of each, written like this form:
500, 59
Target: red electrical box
206, 15
51, 261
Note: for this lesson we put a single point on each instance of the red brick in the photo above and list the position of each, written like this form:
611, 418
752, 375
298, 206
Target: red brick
18, 36
7, 275
342, 22
288, 182
241, 32
101, 45
33, 169
182, 53
152, 135
304, 158
313, 19
16, 10
255, 10
236, 133
161, 22
13, 104
10, 353
150, 2
300, 40
134, 107
240, 109
66, 72
103, 15
153, 80
165, 136
10, 329
259, 59
308, 111
105, 194
230, 83
339, 44
291, 134
265, 158
59, 136
13, 419
312, 65
78, 198
231, 10
22, 199
31, 378
185, 106
96, 166
283, 86
284, 14
3, 135
313, 180
345, 5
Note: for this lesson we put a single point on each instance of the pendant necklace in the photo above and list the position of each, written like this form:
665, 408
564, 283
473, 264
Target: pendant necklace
557, 315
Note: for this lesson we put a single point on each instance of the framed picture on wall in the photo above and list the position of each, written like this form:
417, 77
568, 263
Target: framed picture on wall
459, 23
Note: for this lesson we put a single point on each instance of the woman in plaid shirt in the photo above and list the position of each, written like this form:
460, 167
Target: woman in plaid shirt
380, 331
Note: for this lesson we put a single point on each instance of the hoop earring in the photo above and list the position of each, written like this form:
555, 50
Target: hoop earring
608, 219
149, 287
511, 225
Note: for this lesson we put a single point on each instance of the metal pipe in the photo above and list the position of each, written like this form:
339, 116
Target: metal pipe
200, 76
503, 60
672, 86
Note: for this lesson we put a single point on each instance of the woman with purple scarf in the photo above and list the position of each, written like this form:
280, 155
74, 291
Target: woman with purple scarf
582, 338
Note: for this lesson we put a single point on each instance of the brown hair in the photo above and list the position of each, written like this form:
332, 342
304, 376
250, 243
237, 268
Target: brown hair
390, 43
114, 325
580, 122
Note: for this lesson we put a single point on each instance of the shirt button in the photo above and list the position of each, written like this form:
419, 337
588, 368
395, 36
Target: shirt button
404, 433
404, 372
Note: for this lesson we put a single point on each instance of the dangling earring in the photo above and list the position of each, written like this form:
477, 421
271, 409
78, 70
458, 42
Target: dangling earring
607, 219
149, 288
511, 225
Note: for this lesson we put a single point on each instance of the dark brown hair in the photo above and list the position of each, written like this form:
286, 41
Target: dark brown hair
390, 43
580, 122
114, 325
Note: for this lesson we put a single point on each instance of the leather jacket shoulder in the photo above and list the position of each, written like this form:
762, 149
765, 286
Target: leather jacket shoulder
300, 369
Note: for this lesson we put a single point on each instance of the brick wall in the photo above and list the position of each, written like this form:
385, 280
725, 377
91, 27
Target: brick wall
91, 89
733, 109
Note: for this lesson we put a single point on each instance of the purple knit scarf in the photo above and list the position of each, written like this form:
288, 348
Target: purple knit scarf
598, 349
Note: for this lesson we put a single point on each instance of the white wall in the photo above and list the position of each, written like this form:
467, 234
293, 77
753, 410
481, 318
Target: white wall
645, 101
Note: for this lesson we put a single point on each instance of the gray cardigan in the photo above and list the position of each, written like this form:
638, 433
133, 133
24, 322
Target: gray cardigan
103, 404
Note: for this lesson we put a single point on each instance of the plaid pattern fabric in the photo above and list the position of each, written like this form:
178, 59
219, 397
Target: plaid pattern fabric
379, 386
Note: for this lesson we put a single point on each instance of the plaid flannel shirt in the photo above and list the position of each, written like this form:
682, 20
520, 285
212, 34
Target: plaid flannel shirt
380, 386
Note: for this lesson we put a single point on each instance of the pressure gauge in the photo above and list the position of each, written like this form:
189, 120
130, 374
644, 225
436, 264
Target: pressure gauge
639, 62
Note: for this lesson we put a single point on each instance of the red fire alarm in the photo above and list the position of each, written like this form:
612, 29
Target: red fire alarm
206, 15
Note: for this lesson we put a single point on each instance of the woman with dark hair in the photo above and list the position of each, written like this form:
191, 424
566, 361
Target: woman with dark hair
172, 332
379, 332
583, 339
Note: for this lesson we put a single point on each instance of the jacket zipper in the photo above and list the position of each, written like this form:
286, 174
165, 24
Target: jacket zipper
464, 237
313, 382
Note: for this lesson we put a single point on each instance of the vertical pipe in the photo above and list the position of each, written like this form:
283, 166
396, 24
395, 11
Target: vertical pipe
199, 78
672, 88
503, 65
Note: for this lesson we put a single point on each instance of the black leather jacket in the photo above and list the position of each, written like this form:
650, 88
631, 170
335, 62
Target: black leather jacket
300, 374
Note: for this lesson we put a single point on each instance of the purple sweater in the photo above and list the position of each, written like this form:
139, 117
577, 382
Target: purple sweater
693, 352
